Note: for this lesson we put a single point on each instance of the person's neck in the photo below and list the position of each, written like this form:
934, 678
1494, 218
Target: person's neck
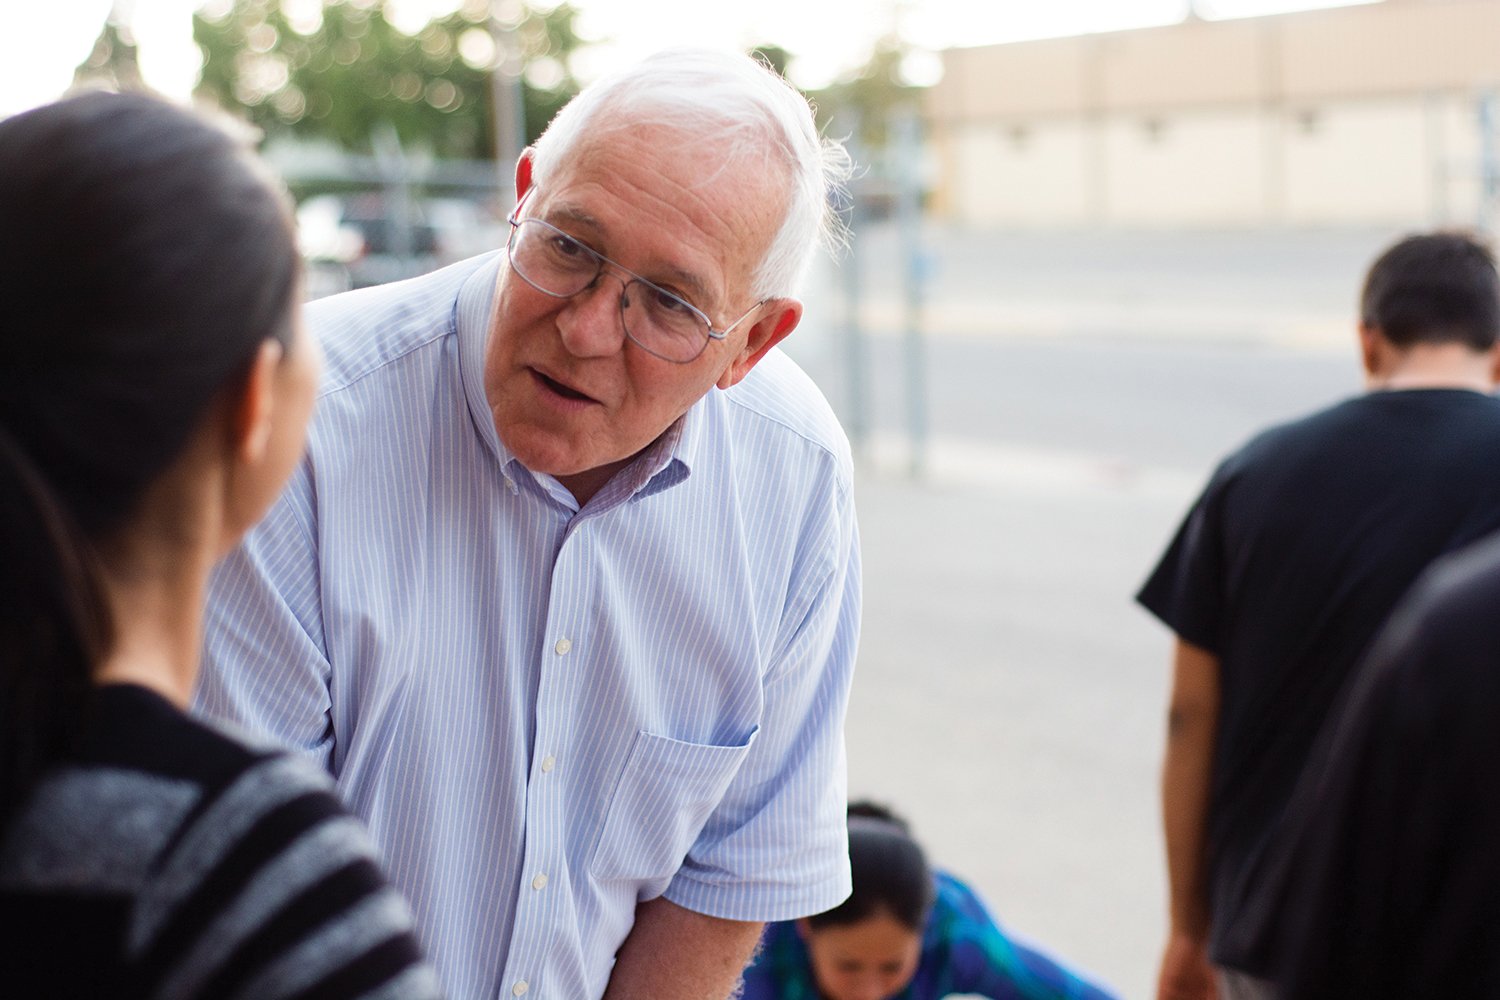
1396, 383
155, 583
1434, 366
583, 485
158, 633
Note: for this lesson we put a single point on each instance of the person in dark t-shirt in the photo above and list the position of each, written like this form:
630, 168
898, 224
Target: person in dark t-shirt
1394, 887
1288, 564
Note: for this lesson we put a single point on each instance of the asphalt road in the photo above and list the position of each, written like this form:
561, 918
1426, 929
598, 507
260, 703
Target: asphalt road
1010, 696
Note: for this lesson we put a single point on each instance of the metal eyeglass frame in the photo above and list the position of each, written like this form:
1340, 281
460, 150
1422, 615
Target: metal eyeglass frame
600, 260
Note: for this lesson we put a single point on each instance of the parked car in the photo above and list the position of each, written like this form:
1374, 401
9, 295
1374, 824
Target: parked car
350, 241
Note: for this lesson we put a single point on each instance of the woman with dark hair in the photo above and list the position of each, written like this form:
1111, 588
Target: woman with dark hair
906, 932
155, 386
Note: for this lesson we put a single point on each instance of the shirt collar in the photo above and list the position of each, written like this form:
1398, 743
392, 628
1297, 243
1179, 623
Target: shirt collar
475, 306
666, 462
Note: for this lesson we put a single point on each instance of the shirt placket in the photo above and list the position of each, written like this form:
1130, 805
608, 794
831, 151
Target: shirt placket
538, 912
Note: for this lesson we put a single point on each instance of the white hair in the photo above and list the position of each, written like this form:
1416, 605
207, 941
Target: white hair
733, 99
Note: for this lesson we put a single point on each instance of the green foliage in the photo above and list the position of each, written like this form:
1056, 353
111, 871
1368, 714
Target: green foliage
114, 61
773, 56
867, 101
340, 76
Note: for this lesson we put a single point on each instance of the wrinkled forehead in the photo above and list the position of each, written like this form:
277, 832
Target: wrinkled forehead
722, 191
695, 154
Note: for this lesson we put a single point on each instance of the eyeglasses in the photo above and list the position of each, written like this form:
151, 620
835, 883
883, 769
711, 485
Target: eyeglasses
658, 321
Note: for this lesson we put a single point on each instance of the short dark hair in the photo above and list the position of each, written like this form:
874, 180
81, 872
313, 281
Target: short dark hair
889, 870
1434, 288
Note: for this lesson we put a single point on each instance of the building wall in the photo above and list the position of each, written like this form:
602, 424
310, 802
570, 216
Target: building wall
1364, 115
1027, 175
1183, 169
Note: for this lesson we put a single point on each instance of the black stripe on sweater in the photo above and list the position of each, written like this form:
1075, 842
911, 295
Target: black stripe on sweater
366, 973
266, 840
321, 904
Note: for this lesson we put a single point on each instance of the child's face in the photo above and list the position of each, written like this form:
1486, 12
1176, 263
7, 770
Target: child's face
871, 960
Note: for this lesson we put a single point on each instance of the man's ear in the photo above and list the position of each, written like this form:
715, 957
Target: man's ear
781, 318
250, 412
1372, 345
523, 173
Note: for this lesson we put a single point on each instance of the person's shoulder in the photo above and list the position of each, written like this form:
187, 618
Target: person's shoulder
134, 729
957, 898
1296, 441
778, 395
274, 840
1430, 673
1457, 596
1272, 441
1438, 409
368, 328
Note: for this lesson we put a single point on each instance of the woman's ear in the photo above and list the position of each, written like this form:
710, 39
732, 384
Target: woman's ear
251, 413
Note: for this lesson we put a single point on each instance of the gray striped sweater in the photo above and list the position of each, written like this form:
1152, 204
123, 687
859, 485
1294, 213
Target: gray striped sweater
165, 860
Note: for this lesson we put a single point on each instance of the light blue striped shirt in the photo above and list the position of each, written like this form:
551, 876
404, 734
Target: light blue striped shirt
547, 714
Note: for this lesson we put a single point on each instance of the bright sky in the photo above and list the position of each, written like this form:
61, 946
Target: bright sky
41, 43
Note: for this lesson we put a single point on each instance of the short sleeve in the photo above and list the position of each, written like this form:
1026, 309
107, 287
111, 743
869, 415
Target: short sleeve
776, 847
1186, 590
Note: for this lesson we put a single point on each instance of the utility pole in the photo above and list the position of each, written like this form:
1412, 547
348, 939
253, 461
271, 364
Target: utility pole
1489, 162
908, 147
510, 105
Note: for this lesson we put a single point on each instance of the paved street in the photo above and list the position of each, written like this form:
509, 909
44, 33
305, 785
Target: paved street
1010, 695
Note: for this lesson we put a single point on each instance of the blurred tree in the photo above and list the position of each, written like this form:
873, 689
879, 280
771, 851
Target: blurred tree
113, 63
335, 69
773, 56
867, 101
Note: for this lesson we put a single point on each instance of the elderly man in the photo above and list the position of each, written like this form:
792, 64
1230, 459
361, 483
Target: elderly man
566, 594
1288, 565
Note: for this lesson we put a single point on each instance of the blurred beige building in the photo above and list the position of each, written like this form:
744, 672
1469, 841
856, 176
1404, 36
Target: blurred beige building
1372, 115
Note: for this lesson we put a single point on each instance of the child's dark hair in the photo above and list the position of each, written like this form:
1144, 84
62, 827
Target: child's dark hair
144, 260
890, 872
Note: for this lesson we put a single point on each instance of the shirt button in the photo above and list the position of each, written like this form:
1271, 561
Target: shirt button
563, 645
520, 988
549, 762
540, 882
510, 484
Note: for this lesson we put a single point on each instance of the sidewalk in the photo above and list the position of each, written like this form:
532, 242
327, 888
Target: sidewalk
1010, 697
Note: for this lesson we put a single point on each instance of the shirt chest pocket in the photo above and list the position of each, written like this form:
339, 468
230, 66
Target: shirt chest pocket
664, 796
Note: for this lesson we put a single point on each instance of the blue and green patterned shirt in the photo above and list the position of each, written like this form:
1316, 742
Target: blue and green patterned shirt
963, 951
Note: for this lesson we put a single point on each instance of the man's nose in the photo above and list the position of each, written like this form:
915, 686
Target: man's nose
590, 323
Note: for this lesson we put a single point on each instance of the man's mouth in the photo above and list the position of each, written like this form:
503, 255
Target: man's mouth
565, 391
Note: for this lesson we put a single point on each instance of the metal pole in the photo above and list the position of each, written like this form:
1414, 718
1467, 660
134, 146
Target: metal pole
510, 102
908, 151
400, 208
1489, 162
